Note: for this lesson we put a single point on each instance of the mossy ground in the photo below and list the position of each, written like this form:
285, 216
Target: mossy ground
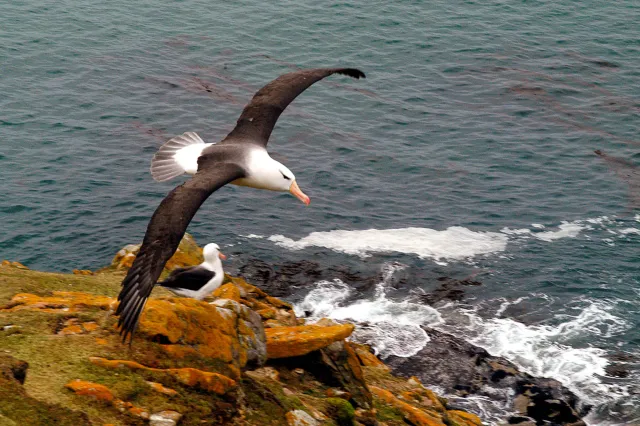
55, 360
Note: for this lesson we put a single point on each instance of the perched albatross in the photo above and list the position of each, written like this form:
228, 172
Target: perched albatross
241, 159
198, 281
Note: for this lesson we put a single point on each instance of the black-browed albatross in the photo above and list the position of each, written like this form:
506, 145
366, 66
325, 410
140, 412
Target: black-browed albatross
241, 159
198, 281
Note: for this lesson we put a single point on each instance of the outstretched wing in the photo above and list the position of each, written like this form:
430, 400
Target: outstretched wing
260, 115
164, 232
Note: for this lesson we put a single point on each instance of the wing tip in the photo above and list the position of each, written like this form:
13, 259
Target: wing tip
352, 72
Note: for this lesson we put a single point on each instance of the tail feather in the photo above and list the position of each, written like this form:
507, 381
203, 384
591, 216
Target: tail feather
163, 165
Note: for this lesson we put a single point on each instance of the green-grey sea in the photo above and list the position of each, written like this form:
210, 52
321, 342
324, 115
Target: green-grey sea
468, 151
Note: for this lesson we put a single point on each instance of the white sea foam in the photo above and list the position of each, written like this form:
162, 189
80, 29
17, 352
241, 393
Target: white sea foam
566, 230
391, 328
454, 243
546, 350
630, 231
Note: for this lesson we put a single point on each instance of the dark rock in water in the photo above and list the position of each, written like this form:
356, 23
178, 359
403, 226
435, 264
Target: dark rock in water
617, 370
448, 289
463, 369
280, 280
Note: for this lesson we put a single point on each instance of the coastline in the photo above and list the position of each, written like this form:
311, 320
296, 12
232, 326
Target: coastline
249, 361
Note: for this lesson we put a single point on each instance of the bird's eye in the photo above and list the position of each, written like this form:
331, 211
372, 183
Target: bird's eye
285, 176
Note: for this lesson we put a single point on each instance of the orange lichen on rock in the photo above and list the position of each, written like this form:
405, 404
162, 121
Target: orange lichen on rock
82, 272
283, 342
14, 264
71, 329
227, 291
224, 330
464, 417
99, 392
158, 387
60, 301
367, 358
413, 415
212, 382
187, 254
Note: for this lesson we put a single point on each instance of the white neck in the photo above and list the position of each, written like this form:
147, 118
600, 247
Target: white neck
263, 172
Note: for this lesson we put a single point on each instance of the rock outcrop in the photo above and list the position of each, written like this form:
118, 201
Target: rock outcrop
241, 357
461, 368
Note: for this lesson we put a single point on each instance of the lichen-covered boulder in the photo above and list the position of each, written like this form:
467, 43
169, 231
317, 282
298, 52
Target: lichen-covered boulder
285, 342
223, 330
187, 254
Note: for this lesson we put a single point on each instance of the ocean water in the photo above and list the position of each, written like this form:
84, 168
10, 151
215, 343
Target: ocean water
467, 152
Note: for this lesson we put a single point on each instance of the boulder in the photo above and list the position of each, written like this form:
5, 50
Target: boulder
286, 342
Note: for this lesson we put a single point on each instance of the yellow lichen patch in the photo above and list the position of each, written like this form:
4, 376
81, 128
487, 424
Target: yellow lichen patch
99, 392
227, 291
158, 387
197, 324
71, 329
366, 358
464, 418
212, 382
90, 326
187, 254
424, 397
61, 301
101, 341
283, 342
127, 407
14, 264
412, 414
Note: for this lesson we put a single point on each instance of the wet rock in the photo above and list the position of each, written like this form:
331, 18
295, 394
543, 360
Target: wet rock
448, 289
462, 369
617, 370
285, 342
279, 279
300, 418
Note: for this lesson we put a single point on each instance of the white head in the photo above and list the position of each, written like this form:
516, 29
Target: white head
211, 253
267, 173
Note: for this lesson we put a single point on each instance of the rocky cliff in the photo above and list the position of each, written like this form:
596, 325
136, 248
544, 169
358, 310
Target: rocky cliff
241, 357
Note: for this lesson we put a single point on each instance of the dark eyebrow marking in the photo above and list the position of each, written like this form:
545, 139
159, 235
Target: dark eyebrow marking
285, 176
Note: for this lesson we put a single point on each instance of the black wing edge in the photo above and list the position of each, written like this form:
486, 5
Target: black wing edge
157, 247
351, 72
131, 300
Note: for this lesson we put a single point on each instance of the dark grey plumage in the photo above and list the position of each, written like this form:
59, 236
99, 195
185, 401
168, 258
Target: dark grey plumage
218, 165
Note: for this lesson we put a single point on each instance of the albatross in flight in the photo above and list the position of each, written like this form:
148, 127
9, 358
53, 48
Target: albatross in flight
241, 159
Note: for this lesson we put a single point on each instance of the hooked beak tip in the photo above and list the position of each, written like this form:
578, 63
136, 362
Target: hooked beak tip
222, 256
296, 192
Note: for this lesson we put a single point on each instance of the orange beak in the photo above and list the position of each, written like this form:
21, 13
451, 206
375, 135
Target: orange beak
222, 256
295, 190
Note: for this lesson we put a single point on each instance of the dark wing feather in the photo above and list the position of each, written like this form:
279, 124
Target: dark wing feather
189, 278
260, 115
164, 232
